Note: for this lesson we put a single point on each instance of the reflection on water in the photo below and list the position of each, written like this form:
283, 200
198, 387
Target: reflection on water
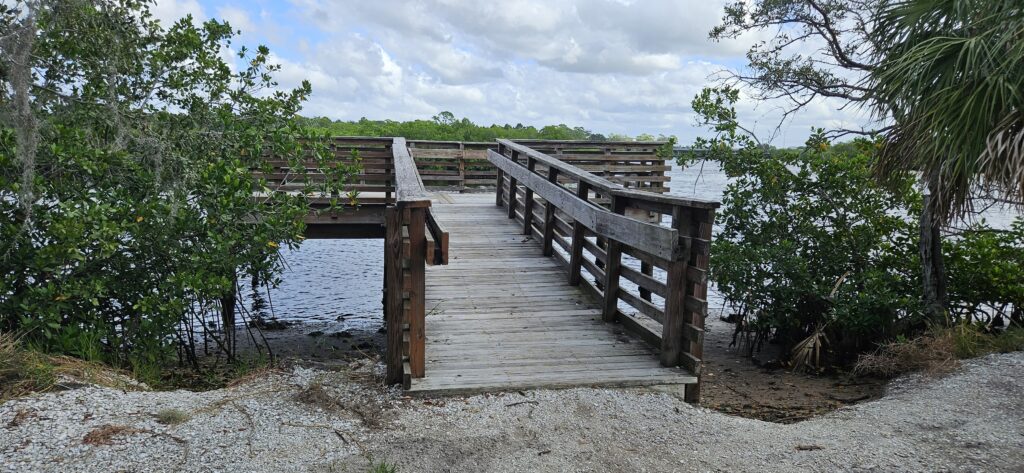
341, 280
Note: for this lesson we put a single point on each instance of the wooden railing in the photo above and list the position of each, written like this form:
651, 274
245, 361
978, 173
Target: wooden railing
414, 238
453, 164
461, 165
374, 183
559, 205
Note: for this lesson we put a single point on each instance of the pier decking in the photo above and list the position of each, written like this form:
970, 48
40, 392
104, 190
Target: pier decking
575, 270
500, 315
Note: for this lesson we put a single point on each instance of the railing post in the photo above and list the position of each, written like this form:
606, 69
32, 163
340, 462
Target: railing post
512, 188
612, 268
500, 186
531, 165
675, 292
462, 166
578, 234
549, 217
393, 294
390, 183
701, 224
416, 290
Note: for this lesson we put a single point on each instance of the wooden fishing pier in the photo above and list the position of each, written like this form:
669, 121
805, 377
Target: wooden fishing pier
528, 264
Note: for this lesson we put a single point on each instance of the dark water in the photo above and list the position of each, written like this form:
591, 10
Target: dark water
340, 281
331, 279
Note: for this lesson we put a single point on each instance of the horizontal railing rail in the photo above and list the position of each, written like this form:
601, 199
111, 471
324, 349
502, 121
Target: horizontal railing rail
461, 165
583, 221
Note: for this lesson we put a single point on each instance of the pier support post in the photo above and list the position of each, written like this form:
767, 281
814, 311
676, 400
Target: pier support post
393, 294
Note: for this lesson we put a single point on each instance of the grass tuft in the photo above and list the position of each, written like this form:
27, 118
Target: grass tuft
384, 467
937, 352
172, 416
24, 371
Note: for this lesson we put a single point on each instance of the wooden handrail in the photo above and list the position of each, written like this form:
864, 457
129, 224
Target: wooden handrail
602, 185
648, 237
571, 217
409, 188
654, 144
596, 182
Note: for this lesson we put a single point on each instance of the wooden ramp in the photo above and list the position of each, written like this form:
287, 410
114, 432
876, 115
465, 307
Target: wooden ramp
500, 316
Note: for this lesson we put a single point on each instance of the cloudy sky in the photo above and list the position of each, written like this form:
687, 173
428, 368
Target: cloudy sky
611, 66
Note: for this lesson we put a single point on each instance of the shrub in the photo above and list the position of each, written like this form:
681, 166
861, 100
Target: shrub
986, 274
809, 243
126, 191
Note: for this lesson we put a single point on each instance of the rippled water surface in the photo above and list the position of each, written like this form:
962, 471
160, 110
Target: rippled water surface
331, 279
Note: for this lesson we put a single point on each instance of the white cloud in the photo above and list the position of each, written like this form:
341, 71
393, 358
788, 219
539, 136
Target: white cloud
237, 17
169, 11
608, 65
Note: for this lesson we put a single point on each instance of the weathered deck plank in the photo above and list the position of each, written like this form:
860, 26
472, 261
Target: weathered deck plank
502, 317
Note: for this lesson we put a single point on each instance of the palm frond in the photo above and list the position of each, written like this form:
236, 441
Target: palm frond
951, 77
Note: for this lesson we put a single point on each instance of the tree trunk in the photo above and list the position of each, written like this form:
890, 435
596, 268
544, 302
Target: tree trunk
227, 313
933, 275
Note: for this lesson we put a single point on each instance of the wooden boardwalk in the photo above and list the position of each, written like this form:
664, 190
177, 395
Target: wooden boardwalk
500, 316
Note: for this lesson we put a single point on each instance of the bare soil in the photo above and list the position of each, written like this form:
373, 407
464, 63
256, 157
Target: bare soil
322, 343
760, 388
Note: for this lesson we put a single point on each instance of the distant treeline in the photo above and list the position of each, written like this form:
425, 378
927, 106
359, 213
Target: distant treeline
446, 127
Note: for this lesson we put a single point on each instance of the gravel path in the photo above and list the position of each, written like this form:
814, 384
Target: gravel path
313, 420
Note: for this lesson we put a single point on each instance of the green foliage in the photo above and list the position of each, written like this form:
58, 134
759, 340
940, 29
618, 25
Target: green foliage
986, 273
126, 193
809, 239
384, 467
446, 127
812, 245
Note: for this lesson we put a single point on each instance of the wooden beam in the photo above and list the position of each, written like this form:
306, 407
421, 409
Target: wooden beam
393, 295
646, 272
578, 238
416, 290
500, 184
613, 262
440, 235
512, 198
